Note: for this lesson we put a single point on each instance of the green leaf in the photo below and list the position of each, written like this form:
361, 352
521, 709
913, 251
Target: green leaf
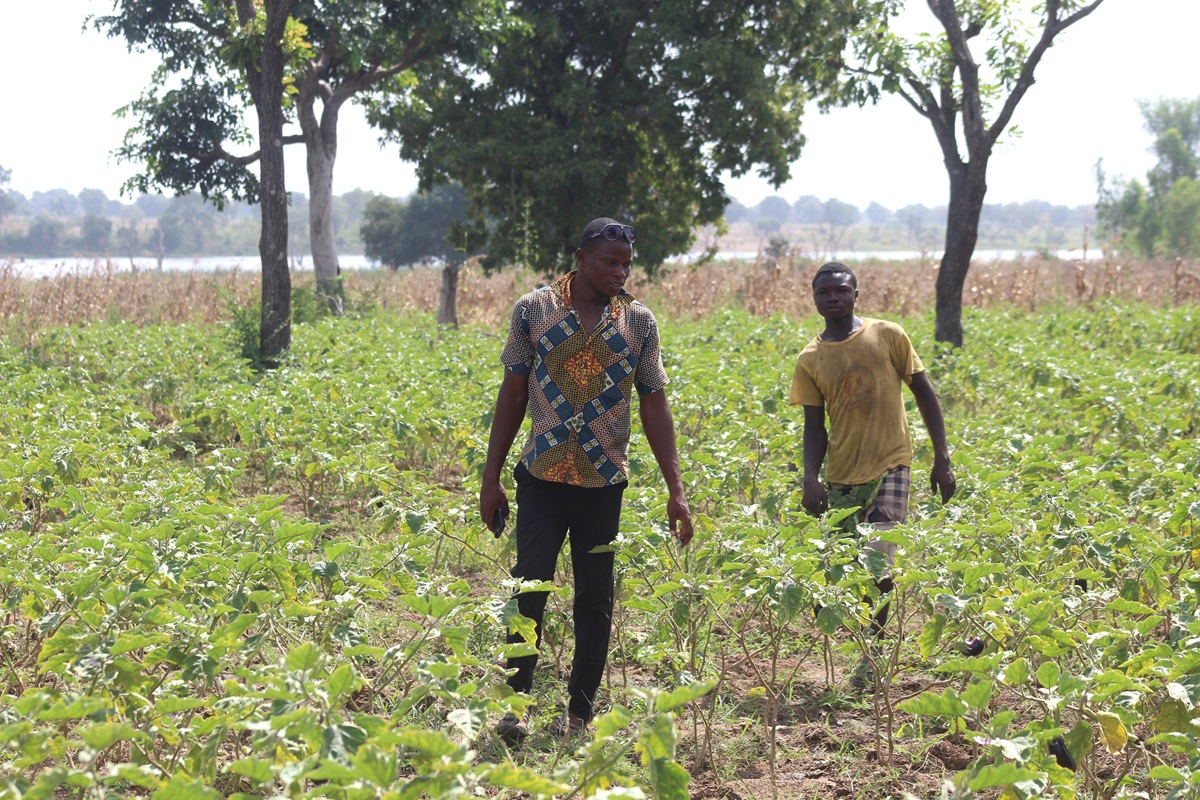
343, 681
978, 694
75, 709
470, 721
612, 723
1173, 717
656, 738
931, 634
669, 701
670, 782
333, 771
829, 620
180, 788
1016, 673
666, 588
947, 704
1164, 772
1004, 774
99, 737
517, 650
374, 765
1123, 606
339, 742
510, 776
256, 769
433, 743
1048, 674
1079, 740
303, 658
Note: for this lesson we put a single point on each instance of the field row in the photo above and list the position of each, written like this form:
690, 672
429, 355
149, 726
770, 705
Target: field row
215, 581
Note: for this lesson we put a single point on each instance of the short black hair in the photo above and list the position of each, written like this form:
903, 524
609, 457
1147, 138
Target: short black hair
836, 268
589, 237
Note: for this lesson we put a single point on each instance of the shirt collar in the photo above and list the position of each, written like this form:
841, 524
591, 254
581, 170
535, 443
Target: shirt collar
562, 288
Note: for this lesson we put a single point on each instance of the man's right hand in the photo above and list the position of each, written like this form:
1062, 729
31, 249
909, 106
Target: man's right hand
816, 499
492, 497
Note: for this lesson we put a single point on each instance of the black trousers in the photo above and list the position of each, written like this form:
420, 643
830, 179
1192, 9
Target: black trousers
547, 513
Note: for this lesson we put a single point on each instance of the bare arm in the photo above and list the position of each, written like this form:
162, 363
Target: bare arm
816, 443
511, 403
941, 477
659, 426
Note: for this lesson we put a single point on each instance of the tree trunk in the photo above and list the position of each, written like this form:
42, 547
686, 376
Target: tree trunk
276, 333
448, 295
320, 228
968, 185
320, 147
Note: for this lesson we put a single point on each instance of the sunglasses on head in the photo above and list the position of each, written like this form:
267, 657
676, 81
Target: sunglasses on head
614, 232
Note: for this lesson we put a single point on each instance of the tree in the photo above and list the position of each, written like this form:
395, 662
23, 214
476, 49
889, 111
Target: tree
736, 212
878, 214
774, 206
7, 203
45, 236
127, 235
335, 50
58, 202
940, 77
423, 230
152, 206
94, 233
808, 210
621, 108
1181, 217
225, 50
836, 217
1158, 217
93, 202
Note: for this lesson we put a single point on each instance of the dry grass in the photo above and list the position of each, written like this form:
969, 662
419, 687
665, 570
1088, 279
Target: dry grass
108, 294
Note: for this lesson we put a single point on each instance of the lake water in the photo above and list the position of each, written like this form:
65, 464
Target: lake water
46, 267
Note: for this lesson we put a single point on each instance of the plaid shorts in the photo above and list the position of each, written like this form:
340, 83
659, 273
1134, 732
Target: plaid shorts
886, 497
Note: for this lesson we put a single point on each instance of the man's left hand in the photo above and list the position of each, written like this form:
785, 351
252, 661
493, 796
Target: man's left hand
942, 481
680, 518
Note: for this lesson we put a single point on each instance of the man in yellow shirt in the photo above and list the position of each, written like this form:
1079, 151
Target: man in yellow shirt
852, 371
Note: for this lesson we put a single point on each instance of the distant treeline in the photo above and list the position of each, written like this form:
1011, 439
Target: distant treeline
57, 223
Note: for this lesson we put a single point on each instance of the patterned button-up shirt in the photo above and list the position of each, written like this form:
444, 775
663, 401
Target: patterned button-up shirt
580, 383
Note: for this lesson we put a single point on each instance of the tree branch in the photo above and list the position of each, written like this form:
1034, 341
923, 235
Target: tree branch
968, 70
208, 158
1053, 27
333, 98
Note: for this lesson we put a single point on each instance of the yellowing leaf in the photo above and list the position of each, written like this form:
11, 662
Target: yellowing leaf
1112, 731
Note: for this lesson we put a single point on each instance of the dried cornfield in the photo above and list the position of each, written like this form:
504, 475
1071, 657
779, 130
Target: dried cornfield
103, 292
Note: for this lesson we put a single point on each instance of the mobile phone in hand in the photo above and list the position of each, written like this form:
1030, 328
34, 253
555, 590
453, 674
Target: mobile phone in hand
498, 522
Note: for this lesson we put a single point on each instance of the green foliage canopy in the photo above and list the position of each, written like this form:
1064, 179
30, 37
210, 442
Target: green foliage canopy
967, 96
1162, 216
7, 203
399, 233
622, 108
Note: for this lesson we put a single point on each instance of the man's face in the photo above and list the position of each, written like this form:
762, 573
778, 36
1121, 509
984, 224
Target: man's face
605, 266
834, 295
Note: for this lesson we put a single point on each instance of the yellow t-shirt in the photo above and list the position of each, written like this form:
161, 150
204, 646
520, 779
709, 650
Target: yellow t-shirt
857, 380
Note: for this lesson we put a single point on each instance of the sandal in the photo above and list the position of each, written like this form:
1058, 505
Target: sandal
565, 725
512, 729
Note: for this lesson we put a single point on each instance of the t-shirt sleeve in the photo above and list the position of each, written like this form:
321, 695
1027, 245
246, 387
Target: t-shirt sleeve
650, 375
904, 356
518, 350
804, 388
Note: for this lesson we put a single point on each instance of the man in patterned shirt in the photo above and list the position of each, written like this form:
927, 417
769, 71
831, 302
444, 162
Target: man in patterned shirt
576, 352
852, 373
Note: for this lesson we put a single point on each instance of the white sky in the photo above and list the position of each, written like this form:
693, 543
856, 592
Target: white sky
64, 84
